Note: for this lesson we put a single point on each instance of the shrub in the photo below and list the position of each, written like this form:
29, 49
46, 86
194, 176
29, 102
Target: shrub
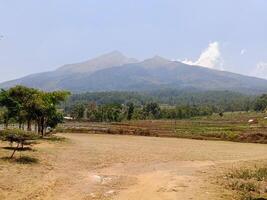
20, 137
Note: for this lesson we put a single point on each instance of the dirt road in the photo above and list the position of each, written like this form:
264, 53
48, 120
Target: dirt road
124, 168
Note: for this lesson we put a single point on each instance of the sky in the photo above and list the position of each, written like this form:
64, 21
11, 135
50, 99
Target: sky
37, 35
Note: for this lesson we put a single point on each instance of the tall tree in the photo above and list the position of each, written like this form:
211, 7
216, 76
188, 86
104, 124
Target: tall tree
28, 104
46, 109
261, 103
130, 110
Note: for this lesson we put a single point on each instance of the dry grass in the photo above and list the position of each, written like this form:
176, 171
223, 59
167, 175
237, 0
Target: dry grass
249, 182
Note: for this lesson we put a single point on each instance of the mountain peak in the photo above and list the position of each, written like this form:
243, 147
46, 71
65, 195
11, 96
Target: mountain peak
156, 61
159, 58
111, 54
112, 59
115, 53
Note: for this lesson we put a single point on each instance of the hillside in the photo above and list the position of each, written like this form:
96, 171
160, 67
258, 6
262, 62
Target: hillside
115, 72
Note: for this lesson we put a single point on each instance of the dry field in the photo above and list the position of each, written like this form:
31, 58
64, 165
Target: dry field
90, 166
230, 127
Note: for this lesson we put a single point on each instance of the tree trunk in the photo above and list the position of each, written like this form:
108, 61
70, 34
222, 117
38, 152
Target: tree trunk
39, 126
6, 124
42, 130
36, 127
29, 125
14, 151
42, 126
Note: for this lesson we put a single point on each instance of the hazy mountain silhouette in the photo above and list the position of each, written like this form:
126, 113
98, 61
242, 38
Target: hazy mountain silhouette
114, 71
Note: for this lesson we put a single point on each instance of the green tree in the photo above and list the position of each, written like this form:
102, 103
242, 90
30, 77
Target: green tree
77, 111
261, 103
46, 108
130, 110
11, 107
26, 99
152, 110
27, 104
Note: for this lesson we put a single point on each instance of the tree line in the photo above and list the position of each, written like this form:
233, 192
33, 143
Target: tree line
130, 111
29, 106
118, 106
220, 101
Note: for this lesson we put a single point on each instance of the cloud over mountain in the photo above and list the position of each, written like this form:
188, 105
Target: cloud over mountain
261, 70
210, 57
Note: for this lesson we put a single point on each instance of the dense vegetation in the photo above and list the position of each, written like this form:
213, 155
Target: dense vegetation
261, 103
119, 112
162, 104
30, 106
224, 100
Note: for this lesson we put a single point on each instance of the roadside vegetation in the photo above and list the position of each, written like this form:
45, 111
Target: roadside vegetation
249, 183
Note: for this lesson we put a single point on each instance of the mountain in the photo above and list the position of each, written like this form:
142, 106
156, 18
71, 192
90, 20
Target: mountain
112, 59
115, 71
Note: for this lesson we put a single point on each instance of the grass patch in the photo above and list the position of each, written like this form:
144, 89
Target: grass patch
249, 183
6, 158
54, 138
19, 149
26, 160
21, 160
258, 173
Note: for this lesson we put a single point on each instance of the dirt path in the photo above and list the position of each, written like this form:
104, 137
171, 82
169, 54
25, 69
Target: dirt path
125, 168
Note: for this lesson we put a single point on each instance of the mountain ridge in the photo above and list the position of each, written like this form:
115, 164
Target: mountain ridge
116, 72
114, 58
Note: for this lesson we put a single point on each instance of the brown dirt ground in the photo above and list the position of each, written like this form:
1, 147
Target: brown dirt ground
89, 166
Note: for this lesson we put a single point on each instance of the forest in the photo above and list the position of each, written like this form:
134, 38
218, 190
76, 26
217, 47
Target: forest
39, 109
162, 104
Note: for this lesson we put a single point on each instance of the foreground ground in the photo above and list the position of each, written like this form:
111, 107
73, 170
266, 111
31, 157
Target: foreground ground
88, 167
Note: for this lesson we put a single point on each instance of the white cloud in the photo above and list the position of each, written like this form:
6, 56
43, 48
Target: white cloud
243, 51
261, 70
210, 57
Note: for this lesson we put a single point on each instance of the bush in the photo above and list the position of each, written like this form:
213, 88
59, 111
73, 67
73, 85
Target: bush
20, 137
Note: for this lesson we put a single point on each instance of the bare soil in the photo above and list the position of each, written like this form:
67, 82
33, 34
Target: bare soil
89, 166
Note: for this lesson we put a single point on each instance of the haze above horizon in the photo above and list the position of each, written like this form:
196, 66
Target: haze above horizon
42, 36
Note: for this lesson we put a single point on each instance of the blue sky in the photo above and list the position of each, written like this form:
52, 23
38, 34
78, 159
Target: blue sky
43, 35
